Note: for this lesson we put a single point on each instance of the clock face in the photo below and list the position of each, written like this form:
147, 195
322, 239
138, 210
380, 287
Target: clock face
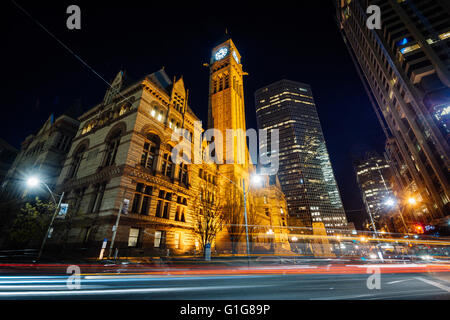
221, 53
235, 56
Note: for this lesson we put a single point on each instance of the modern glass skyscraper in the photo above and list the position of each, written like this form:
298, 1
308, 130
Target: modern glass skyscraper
404, 66
305, 171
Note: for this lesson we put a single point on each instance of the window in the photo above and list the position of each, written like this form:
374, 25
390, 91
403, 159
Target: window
167, 165
181, 208
76, 162
160, 239
97, 197
133, 237
184, 174
146, 200
111, 148
62, 142
148, 158
162, 206
141, 201
79, 194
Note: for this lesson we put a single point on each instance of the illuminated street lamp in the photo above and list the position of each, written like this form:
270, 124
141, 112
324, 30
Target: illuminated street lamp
255, 180
412, 201
393, 203
389, 202
33, 182
294, 239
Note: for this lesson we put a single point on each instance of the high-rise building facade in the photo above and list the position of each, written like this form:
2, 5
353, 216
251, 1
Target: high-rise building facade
305, 171
404, 67
373, 176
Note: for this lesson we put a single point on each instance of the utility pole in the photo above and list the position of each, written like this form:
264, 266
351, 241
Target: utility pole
246, 224
51, 223
116, 226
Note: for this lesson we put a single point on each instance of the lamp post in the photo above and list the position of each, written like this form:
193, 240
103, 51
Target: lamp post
33, 182
255, 179
294, 240
391, 203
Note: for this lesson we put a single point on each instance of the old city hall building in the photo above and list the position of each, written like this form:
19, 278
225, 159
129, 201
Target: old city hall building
122, 151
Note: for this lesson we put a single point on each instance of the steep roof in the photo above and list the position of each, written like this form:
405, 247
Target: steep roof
161, 79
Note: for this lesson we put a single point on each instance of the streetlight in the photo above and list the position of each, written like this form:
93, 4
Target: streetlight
390, 202
393, 203
412, 201
255, 180
294, 239
33, 182
270, 234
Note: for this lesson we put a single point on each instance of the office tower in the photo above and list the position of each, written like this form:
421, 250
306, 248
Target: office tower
373, 176
404, 67
305, 171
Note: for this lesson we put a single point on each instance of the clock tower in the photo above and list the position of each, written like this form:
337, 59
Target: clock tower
226, 101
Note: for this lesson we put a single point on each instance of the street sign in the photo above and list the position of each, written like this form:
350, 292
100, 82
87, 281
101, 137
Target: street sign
63, 210
100, 257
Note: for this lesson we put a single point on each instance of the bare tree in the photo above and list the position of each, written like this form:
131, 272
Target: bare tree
234, 216
208, 214
254, 225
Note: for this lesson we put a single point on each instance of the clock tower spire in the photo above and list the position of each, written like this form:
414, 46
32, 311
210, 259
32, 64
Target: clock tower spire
226, 99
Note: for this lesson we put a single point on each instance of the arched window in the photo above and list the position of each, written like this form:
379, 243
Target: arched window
112, 147
77, 161
151, 145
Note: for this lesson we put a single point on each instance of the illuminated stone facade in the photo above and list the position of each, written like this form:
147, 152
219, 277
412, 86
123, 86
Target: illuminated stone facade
122, 150
42, 154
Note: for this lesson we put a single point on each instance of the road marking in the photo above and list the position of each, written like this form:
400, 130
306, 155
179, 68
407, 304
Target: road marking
434, 283
398, 281
122, 291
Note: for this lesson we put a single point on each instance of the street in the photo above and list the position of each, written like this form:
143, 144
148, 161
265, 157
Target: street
332, 282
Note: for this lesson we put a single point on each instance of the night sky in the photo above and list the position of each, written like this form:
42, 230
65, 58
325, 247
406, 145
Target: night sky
294, 40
